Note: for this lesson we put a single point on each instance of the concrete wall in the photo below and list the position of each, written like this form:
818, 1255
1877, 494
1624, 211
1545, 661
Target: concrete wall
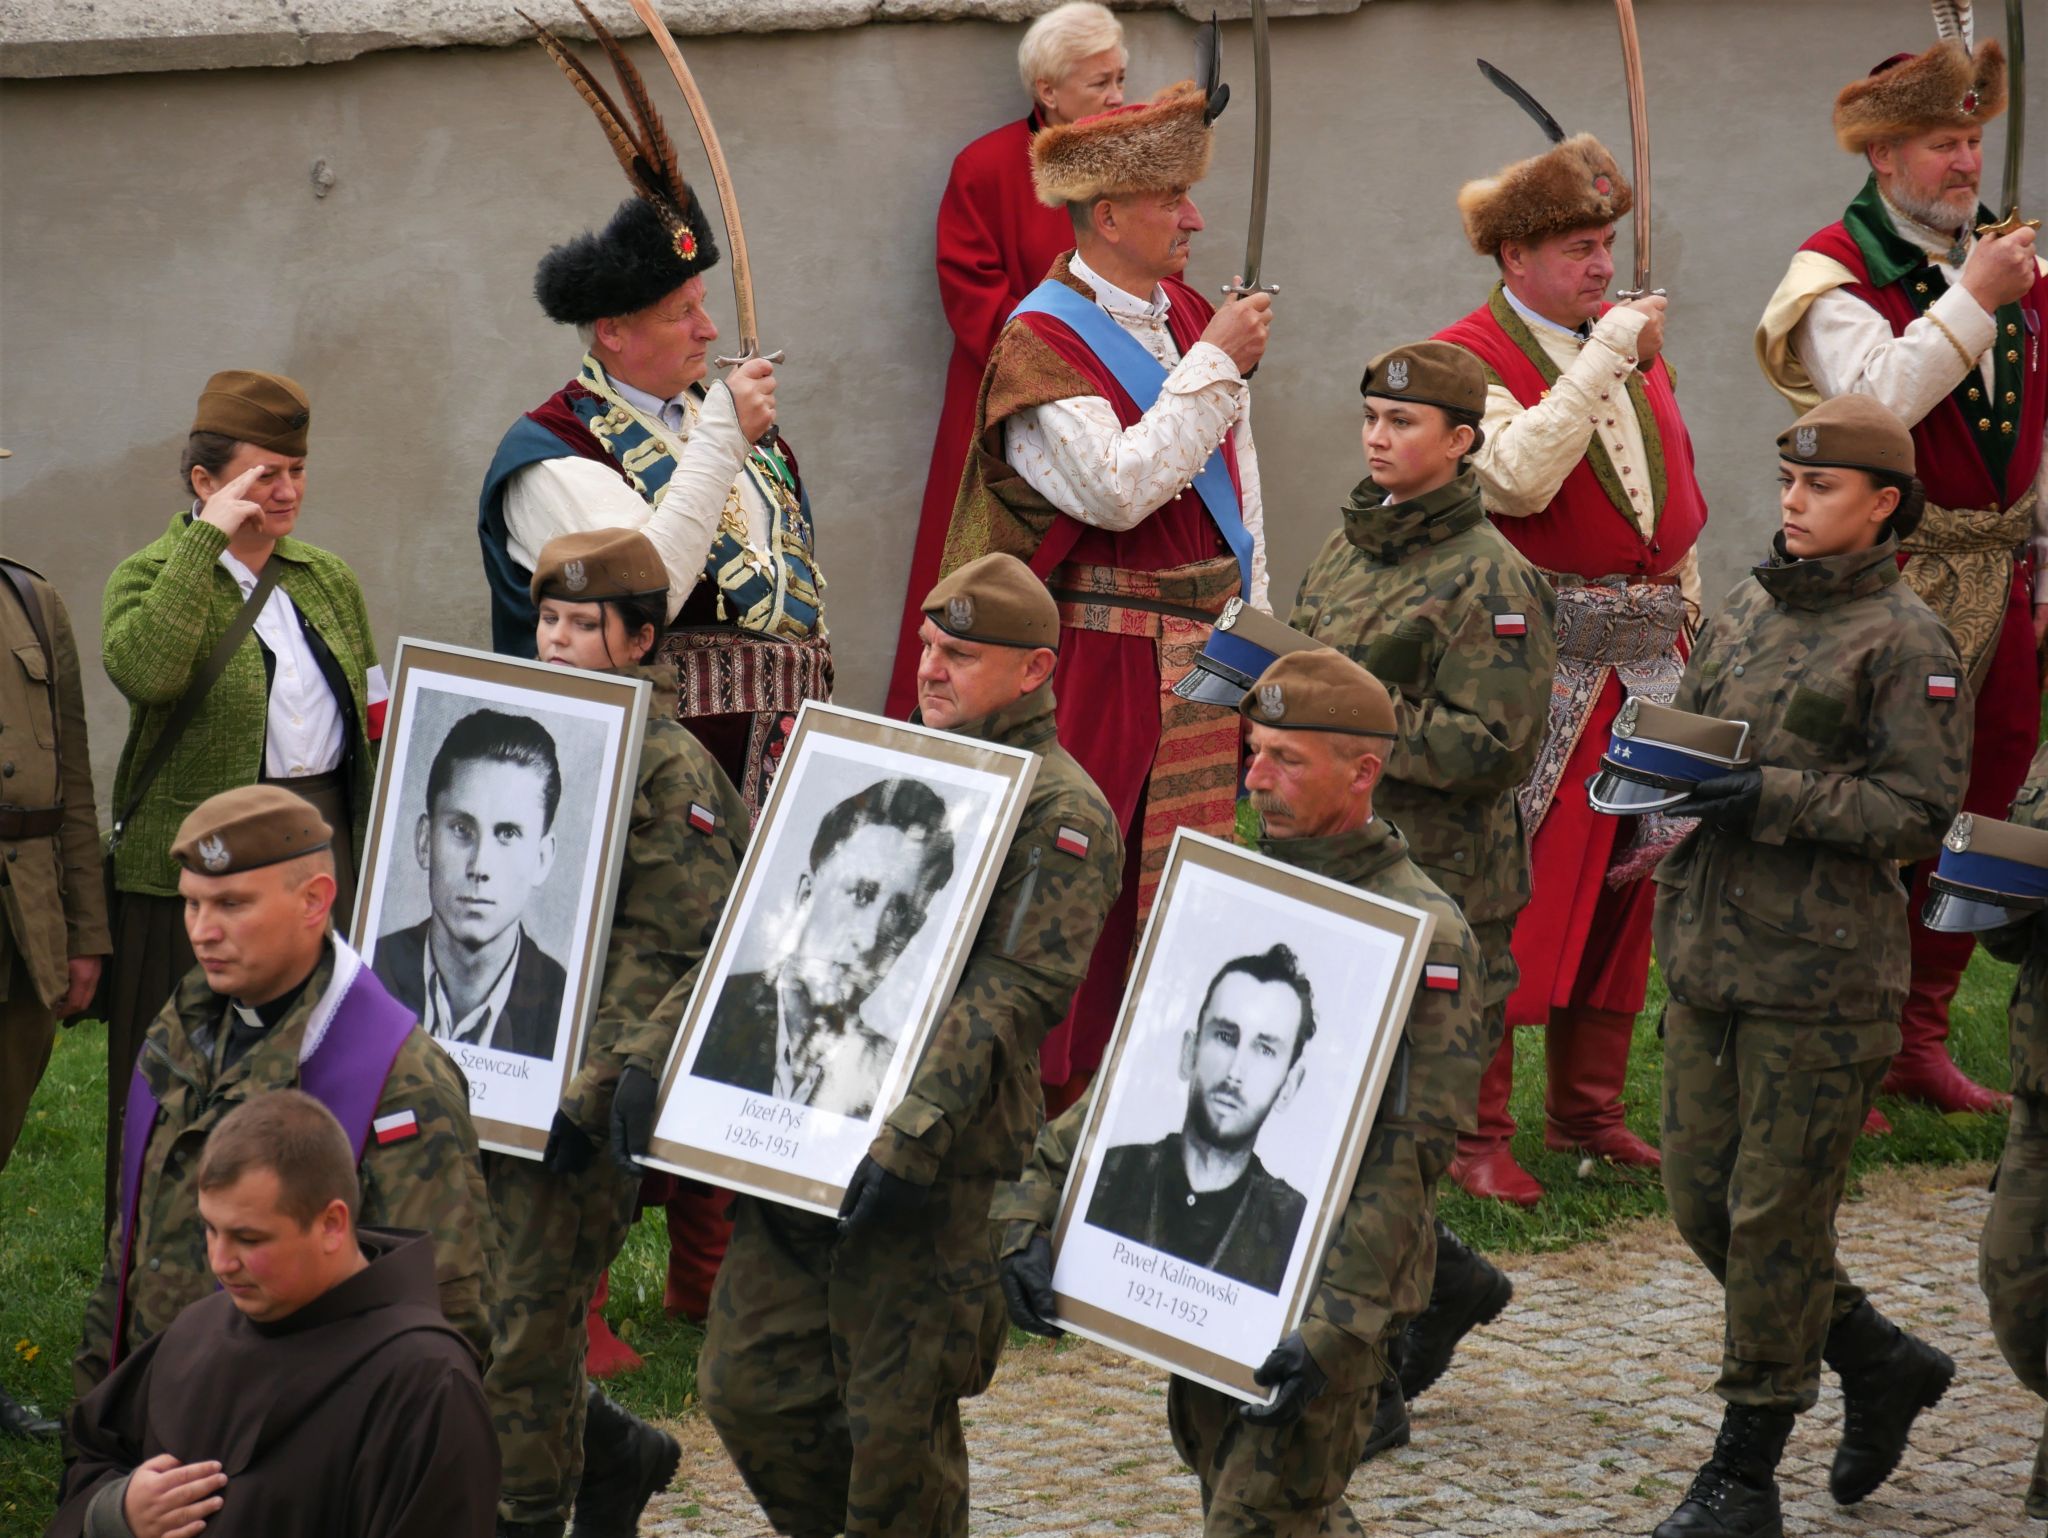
157, 227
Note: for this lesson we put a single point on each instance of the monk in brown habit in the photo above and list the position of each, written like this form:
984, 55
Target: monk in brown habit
319, 1392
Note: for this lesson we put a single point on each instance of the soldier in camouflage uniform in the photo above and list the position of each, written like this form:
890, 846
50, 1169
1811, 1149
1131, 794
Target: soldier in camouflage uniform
281, 975
1781, 929
836, 1354
1279, 1470
2013, 1259
561, 1220
1424, 592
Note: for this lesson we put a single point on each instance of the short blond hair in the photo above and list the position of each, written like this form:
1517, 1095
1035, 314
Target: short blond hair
1063, 36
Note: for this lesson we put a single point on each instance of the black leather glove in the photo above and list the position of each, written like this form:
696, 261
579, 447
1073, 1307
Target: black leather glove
1725, 801
1293, 1372
1027, 1288
633, 1116
569, 1149
877, 1199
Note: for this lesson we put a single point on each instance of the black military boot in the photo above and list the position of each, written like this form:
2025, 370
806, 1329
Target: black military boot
19, 1421
625, 1463
1466, 1292
529, 1529
1389, 1421
1735, 1493
1888, 1377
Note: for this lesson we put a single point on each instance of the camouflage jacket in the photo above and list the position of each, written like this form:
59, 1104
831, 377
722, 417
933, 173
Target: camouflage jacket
1860, 720
2027, 944
672, 888
1429, 598
1382, 1255
433, 1182
974, 1102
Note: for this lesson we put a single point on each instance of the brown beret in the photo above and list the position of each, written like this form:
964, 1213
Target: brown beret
1320, 691
995, 599
598, 563
267, 410
1852, 430
243, 829
1430, 373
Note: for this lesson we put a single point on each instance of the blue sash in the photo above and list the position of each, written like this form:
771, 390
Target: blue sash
1141, 375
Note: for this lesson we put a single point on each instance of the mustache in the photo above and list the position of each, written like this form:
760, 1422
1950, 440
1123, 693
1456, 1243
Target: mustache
1265, 802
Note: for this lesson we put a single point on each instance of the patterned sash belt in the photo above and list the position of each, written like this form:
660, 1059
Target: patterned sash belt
730, 672
1193, 779
1960, 563
1630, 630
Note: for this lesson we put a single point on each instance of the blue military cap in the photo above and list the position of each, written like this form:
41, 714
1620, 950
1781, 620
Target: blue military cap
1656, 755
1245, 642
1991, 874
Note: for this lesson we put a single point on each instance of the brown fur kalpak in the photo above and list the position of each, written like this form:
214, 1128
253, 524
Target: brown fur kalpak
1568, 187
1945, 87
1152, 146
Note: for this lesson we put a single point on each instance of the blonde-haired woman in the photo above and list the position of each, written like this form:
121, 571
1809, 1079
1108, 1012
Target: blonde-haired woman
996, 241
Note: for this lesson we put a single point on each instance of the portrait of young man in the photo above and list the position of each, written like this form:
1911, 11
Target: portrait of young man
1201, 1194
795, 1029
472, 969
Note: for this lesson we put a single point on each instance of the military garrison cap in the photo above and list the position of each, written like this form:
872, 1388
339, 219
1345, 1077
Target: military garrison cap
598, 564
1242, 645
1656, 755
996, 600
267, 410
1850, 430
1991, 874
1319, 690
1431, 374
246, 828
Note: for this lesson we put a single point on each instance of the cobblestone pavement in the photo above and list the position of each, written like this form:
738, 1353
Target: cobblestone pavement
1584, 1409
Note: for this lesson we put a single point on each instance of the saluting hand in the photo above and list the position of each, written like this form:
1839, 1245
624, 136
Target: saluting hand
2000, 269
228, 509
753, 397
169, 1499
1240, 328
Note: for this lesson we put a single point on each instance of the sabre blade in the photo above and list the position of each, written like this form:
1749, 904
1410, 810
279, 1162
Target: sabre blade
1639, 139
1262, 148
2015, 103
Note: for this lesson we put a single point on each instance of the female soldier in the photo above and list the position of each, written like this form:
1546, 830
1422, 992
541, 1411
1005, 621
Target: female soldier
1781, 929
561, 1221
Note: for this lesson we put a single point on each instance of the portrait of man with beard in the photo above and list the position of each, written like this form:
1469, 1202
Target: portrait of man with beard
794, 1030
1201, 1194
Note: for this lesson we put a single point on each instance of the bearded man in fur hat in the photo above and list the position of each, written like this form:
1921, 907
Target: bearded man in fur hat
1899, 299
1113, 454
1580, 425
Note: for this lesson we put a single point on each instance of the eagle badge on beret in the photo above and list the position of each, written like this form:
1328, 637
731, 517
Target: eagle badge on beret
1959, 835
1228, 617
1625, 723
1806, 440
1397, 374
574, 578
960, 611
1272, 701
213, 852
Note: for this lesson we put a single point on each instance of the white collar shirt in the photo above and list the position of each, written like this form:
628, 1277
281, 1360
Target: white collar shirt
480, 1027
303, 732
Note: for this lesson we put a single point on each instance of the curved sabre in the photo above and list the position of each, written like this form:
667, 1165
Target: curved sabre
721, 178
2015, 122
1639, 143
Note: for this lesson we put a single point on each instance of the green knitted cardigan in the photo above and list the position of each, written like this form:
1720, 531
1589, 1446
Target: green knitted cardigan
166, 606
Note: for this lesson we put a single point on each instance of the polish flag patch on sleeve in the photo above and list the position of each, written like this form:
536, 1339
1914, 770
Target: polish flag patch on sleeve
396, 1127
1511, 624
1071, 841
702, 818
1941, 686
1440, 977
376, 699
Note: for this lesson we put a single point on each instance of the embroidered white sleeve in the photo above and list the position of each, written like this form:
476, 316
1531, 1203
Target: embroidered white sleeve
1254, 504
1846, 345
1077, 455
1530, 450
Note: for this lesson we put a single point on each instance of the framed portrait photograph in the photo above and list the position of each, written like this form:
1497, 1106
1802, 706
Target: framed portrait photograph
1263, 1016
496, 832
854, 911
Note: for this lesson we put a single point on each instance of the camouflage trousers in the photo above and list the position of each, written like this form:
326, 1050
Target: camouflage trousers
555, 1236
1272, 1481
834, 1372
1760, 1117
2012, 1264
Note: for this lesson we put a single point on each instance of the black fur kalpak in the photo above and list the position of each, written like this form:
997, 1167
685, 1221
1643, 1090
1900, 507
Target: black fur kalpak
627, 266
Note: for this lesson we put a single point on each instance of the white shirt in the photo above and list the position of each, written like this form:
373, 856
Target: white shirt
1079, 457
1846, 345
302, 729
1529, 450
480, 1026
571, 495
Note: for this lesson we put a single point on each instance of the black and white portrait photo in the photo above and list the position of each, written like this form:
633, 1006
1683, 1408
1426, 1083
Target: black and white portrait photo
847, 928
492, 863
1262, 1018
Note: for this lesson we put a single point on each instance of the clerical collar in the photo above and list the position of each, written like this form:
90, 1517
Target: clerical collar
1115, 299
1950, 247
1583, 333
264, 1016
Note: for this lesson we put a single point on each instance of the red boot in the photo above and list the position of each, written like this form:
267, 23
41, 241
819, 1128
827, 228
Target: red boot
1876, 1124
699, 1228
1923, 1070
1493, 1172
1587, 1051
607, 1356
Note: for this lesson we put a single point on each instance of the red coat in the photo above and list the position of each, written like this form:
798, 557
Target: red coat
996, 241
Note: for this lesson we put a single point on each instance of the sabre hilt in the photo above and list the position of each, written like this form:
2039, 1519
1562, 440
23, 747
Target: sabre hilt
1630, 295
749, 351
1240, 290
2011, 224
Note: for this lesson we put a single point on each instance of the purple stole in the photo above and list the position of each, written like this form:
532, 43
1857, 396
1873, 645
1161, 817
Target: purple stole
351, 1042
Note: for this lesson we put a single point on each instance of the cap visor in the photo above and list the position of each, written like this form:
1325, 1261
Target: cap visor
1207, 688
1947, 913
1619, 796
